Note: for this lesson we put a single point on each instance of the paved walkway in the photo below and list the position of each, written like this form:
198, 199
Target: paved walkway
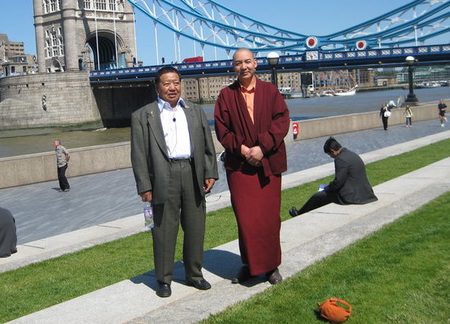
42, 211
305, 240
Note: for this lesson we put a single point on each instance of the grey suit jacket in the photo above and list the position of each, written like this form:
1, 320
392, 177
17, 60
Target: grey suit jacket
149, 156
350, 182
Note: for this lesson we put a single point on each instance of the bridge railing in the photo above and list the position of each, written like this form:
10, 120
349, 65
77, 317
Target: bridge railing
308, 60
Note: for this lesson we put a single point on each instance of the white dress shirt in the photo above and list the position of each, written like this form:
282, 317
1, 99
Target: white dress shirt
175, 128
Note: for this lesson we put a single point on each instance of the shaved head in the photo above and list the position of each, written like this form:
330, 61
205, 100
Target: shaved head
242, 50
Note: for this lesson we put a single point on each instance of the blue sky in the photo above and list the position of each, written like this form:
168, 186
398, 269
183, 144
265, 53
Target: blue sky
307, 17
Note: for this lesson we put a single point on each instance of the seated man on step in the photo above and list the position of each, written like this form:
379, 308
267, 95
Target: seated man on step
350, 184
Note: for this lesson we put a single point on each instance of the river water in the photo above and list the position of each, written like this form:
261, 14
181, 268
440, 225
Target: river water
19, 142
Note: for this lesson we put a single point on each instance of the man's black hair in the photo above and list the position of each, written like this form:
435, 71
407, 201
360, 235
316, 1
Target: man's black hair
331, 144
164, 70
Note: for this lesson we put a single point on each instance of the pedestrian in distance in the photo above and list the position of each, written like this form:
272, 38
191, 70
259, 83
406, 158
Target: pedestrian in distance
442, 109
251, 121
349, 186
174, 165
62, 162
385, 113
408, 115
8, 236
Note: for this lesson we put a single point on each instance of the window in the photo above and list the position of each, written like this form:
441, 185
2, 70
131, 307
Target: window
87, 4
112, 5
54, 43
54, 39
52, 5
100, 4
45, 5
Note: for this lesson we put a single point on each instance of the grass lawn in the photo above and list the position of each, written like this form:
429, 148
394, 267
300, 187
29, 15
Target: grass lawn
400, 274
41, 285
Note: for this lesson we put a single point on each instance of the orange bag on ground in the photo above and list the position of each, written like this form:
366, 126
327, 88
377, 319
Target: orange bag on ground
334, 311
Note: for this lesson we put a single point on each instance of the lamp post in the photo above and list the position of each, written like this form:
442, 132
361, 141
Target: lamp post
411, 98
273, 59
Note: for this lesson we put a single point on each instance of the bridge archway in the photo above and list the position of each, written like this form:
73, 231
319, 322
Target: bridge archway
56, 66
106, 54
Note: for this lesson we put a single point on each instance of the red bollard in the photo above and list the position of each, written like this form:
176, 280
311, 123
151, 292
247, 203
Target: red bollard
295, 129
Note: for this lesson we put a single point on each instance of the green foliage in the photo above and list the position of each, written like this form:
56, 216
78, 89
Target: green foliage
44, 284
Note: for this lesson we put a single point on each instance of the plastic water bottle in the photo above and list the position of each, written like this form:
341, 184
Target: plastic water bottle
148, 216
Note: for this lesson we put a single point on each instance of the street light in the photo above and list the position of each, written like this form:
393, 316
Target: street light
411, 98
273, 58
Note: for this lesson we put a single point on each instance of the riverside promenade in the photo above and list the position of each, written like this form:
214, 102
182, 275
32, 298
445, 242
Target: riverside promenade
305, 240
42, 211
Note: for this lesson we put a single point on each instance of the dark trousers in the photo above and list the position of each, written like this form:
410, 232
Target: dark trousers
319, 199
385, 122
63, 183
184, 205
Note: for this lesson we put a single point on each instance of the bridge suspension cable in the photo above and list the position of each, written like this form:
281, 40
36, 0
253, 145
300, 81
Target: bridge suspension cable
209, 23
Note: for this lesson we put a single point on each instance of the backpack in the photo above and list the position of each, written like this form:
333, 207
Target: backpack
334, 311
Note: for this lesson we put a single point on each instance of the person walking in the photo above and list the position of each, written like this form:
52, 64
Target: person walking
442, 108
251, 121
62, 162
174, 165
385, 113
408, 115
349, 186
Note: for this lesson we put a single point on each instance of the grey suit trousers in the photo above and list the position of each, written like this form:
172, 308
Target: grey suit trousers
186, 206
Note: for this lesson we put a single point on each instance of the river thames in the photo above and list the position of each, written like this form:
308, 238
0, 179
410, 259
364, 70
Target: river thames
20, 142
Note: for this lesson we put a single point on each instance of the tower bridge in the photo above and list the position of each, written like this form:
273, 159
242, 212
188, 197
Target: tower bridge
93, 43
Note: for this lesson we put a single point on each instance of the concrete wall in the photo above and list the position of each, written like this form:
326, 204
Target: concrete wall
26, 169
69, 101
354, 122
39, 167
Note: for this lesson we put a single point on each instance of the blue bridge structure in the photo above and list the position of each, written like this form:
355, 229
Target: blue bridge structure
385, 40
310, 60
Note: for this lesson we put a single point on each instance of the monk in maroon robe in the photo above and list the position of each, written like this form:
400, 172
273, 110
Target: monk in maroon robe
251, 121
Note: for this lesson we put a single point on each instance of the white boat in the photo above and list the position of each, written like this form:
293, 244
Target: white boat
296, 95
327, 93
342, 93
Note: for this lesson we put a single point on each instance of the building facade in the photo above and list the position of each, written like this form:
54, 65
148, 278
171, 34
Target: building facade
13, 60
73, 35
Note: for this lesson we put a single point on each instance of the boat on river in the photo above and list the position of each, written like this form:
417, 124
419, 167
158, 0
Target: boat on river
349, 92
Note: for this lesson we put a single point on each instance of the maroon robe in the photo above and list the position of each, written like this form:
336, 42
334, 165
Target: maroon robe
255, 191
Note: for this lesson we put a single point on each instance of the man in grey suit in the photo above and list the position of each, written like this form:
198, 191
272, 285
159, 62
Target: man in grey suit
350, 184
174, 165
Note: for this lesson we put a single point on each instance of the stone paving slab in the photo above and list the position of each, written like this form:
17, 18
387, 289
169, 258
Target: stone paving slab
305, 240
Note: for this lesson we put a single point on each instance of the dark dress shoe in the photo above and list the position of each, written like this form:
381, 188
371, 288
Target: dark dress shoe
242, 276
293, 212
274, 277
200, 284
163, 290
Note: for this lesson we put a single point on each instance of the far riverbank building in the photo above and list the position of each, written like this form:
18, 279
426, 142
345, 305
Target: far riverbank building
74, 35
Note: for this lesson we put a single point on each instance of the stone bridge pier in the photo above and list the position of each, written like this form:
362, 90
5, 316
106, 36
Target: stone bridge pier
68, 99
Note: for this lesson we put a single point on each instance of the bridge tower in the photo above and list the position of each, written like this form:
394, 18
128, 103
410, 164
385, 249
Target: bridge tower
73, 35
